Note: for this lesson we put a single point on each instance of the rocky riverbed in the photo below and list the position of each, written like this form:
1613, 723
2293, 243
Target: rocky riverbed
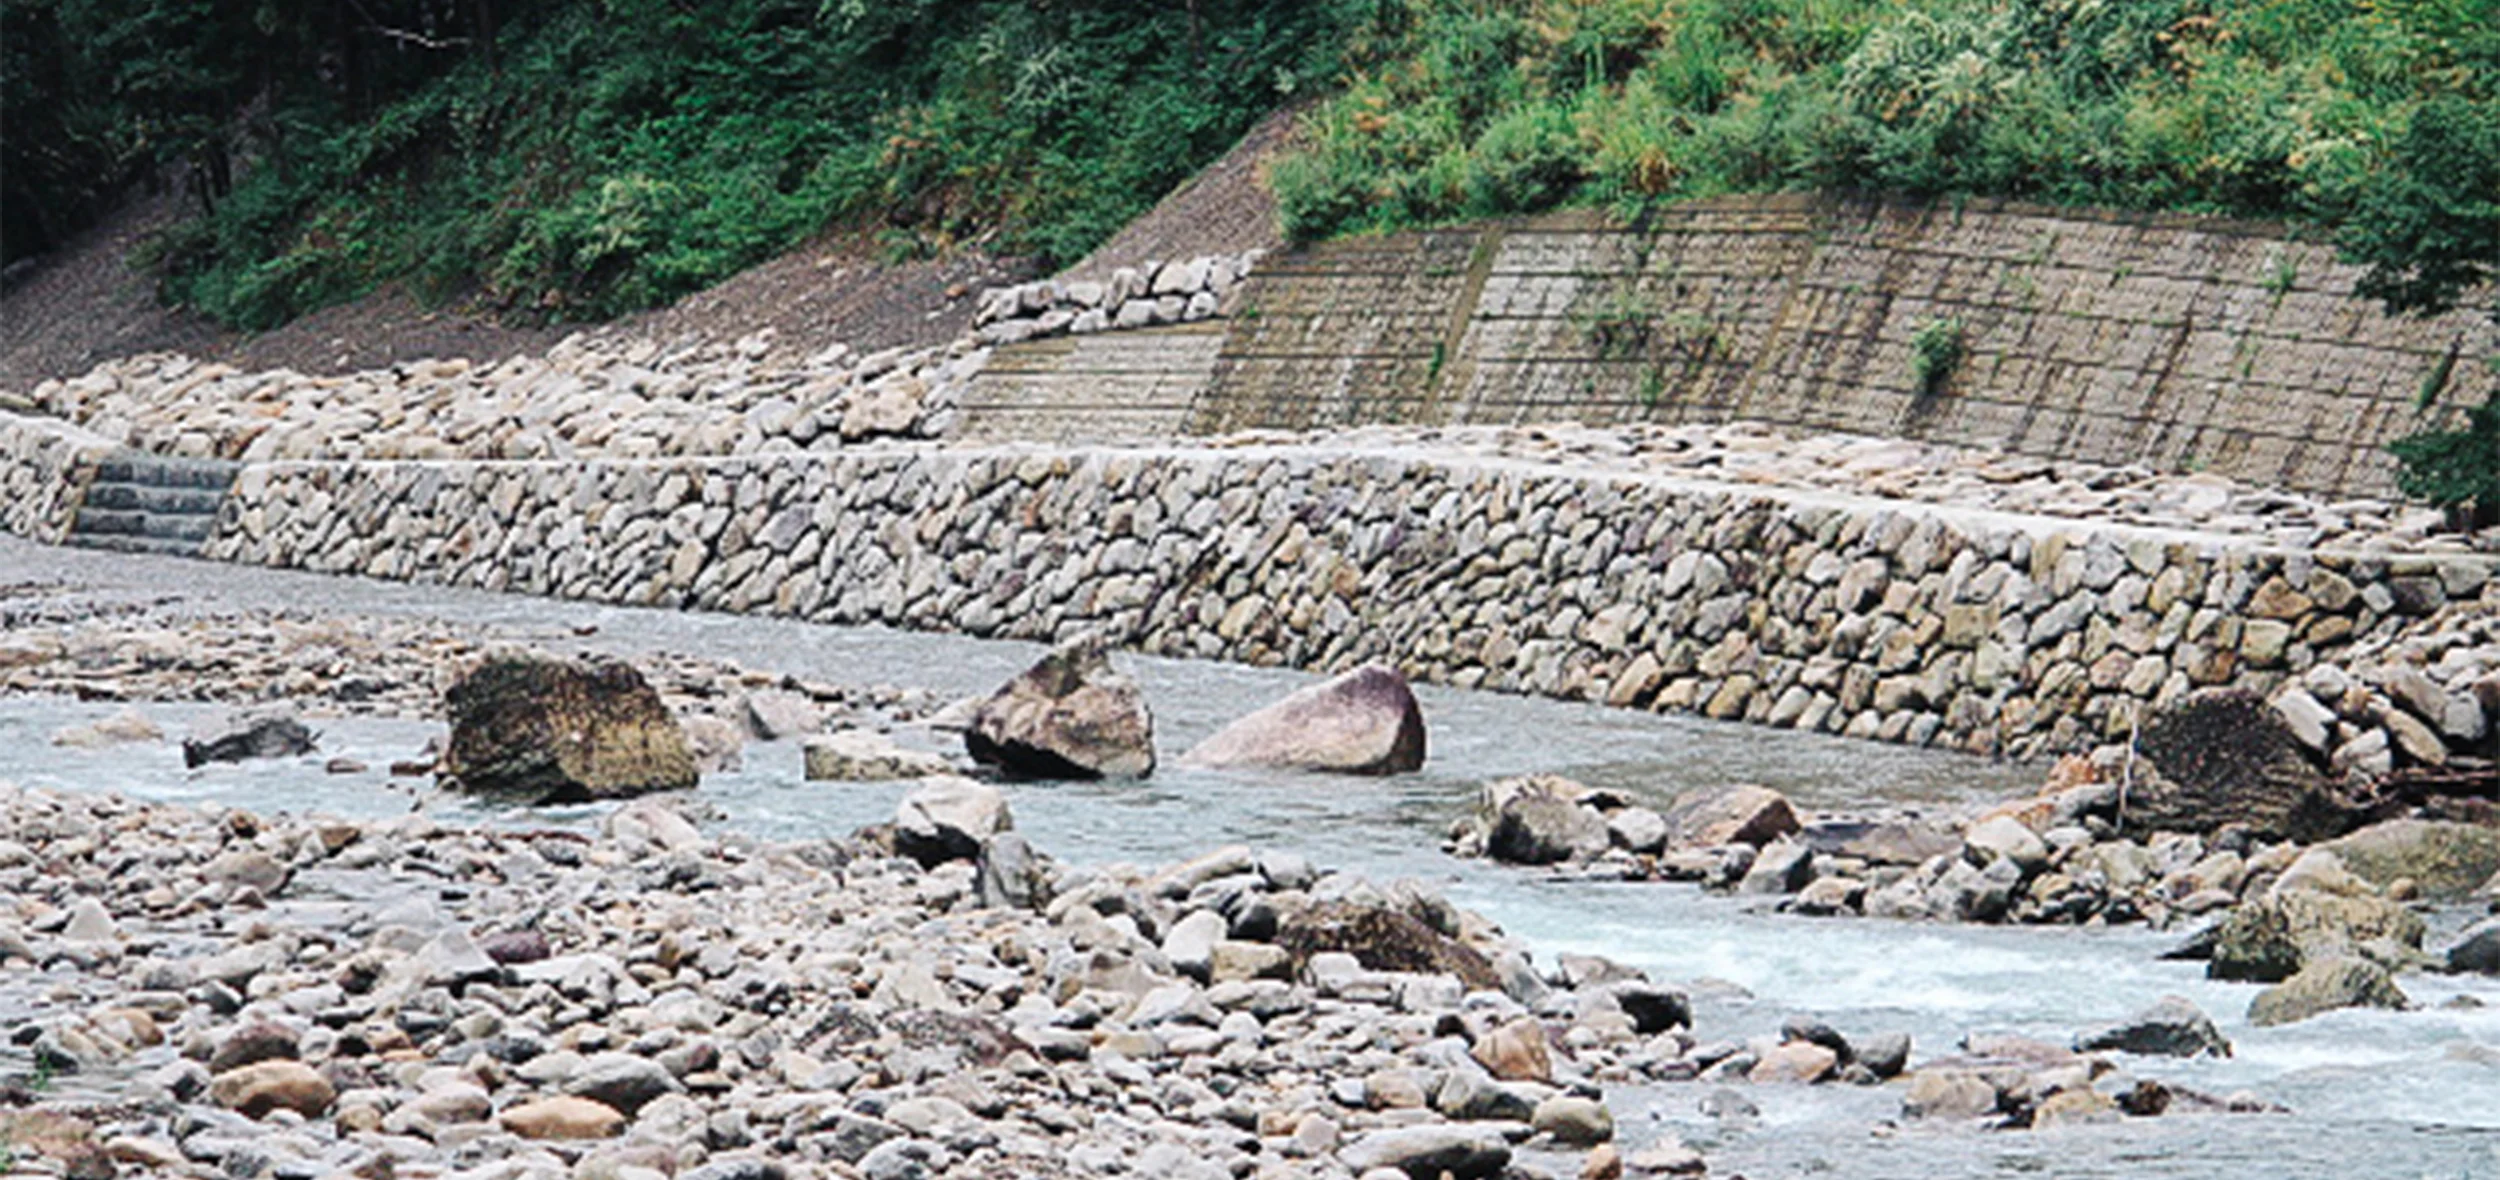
205, 991
209, 992
2329, 923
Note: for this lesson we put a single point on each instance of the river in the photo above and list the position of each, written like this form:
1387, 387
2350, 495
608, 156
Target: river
2373, 1094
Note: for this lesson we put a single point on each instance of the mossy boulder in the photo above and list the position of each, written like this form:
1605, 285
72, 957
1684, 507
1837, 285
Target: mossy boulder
1382, 939
562, 731
2272, 938
2448, 861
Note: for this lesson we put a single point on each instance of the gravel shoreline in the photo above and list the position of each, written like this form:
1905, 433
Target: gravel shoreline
204, 991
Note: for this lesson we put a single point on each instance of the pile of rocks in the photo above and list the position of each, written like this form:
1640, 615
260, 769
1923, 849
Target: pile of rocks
1141, 296
588, 396
2065, 857
1761, 455
2424, 696
43, 463
542, 1004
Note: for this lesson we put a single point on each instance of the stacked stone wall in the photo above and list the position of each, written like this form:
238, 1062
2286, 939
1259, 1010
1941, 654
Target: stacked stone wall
45, 466
1979, 630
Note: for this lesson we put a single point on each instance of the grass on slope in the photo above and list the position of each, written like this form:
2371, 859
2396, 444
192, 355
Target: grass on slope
2316, 110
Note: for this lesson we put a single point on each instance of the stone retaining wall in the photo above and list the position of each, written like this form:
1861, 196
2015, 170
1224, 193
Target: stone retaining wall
2179, 344
1980, 630
45, 466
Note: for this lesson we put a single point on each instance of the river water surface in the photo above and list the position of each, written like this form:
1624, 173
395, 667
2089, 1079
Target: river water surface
2404, 1096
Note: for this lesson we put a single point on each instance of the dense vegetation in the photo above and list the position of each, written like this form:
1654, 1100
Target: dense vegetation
576, 158
2374, 121
2377, 118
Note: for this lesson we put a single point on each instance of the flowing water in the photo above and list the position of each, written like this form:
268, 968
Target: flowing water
2405, 1096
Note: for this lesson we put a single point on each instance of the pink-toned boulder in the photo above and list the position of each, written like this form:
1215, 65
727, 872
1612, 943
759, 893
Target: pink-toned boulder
1362, 722
264, 1086
1516, 1052
562, 1117
1708, 817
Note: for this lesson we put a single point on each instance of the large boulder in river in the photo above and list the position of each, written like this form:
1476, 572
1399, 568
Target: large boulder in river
1362, 722
1541, 819
1707, 817
562, 731
2478, 950
2173, 1027
2224, 756
2338, 981
1070, 715
249, 734
2447, 861
2272, 938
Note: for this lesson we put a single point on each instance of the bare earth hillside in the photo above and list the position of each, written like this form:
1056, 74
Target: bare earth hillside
93, 301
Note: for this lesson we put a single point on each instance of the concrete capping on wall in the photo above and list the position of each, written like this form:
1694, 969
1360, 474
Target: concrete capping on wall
1880, 619
2176, 343
45, 468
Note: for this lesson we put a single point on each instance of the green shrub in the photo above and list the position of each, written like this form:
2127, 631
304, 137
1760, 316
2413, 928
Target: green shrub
2456, 469
1936, 350
1527, 159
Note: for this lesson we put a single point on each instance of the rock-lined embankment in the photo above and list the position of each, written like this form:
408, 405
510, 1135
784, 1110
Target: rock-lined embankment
1560, 574
608, 395
44, 465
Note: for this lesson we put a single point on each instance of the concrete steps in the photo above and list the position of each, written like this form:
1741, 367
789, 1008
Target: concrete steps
1140, 384
142, 503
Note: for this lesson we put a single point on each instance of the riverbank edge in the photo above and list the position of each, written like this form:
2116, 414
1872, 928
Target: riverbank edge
1905, 622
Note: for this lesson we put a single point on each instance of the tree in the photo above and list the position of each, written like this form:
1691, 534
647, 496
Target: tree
2430, 234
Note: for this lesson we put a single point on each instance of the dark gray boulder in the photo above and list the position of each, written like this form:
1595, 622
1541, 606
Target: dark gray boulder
2173, 1027
1070, 715
2479, 949
563, 731
248, 735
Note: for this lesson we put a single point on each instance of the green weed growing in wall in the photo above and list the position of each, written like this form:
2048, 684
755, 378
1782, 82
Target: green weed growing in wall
1936, 350
1653, 387
2282, 273
1619, 327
